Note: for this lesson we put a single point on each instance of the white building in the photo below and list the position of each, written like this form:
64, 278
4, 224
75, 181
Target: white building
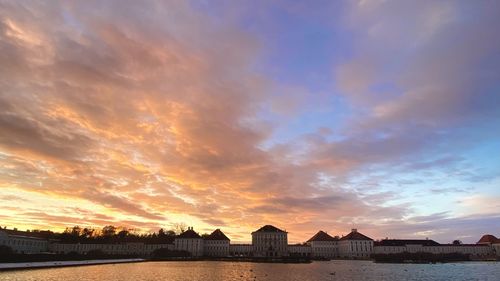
241, 250
23, 242
216, 244
491, 241
141, 249
496, 249
355, 246
270, 241
396, 246
299, 250
324, 246
189, 241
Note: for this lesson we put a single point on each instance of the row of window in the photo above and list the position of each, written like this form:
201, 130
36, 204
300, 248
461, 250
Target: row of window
20, 242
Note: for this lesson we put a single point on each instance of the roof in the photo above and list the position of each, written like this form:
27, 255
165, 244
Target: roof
404, 242
217, 235
189, 234
269, 228
24, 234
355, 235
322, 236
488, 239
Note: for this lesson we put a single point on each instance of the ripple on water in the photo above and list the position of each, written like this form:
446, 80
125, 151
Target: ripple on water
225, 271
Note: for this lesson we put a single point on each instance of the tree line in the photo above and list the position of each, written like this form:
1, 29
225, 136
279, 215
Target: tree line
110, 234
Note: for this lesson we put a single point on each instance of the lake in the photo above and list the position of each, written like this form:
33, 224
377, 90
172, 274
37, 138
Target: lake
213, 270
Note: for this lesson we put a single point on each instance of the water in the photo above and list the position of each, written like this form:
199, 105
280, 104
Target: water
225, 271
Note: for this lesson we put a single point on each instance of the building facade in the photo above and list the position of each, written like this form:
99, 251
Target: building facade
300, 250
355, 246
270, 241
324, 246
240, 250
491, 241
397, 246
189, 241
140, 249
23, 242
216, 244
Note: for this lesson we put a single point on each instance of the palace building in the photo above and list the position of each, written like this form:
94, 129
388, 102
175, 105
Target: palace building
267, 242
270, 241
324, 246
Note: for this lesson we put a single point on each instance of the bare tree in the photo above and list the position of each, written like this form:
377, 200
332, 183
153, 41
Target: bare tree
179, 227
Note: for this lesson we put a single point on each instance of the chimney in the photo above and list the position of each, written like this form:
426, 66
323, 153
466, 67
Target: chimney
354, 230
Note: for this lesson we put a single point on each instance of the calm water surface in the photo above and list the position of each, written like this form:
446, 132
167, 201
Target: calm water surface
223, 271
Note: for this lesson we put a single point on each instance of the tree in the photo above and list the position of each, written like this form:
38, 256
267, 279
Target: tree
179, 227
108, 231
87, 232
457, 242
123, 234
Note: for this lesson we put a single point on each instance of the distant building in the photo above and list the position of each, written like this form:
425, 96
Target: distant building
189, 241
355, 246
491, 241
216, 244
323, 245
23, 242
270, 241
141, 249
300, 250
395, 246
241, 250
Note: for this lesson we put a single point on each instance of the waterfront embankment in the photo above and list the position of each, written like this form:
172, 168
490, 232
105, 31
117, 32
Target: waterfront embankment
51, 264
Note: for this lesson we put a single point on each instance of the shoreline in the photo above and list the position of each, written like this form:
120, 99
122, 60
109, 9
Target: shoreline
57, 264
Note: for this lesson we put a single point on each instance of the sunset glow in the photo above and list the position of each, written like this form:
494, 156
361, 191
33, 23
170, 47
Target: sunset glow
326, 115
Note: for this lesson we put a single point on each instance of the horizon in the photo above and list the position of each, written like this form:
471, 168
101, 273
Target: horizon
314, 115
96, 232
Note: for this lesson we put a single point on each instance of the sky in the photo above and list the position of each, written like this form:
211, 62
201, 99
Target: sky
308, 115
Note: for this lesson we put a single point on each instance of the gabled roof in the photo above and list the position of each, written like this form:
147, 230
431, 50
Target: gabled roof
217, 235
189, 234
488, 239
269, 228
404, 242
322, 236
355, 235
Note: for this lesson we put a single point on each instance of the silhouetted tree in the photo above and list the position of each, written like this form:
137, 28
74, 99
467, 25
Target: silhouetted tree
179, 227
123, 234
108, 231
87, 232
457, 242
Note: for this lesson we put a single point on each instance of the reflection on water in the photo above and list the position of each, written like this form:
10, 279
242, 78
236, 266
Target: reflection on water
206, 271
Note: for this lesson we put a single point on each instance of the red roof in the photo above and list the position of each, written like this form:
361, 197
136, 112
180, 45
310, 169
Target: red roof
217, 235
488, 239
322, 236
355, 235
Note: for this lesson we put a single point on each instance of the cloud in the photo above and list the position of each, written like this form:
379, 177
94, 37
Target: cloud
149, 121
